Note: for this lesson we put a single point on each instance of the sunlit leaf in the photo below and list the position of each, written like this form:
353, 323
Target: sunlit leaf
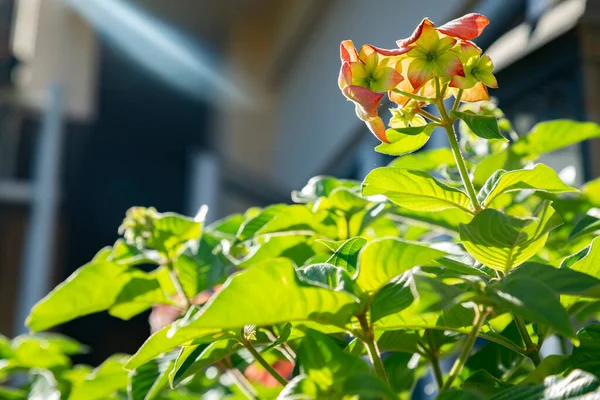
503, 242
426, 160
577, 385
247, 298
346, 256
415, 190
384, 259
553, 135
108, 378
587, 355
534, 301
405, 140
149, 380
484, 126
540, 178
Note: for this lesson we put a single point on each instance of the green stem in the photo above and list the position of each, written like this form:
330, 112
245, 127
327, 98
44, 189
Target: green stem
480, 317
368, 337
434, 358
531, 348
430, 116
178, 287
413, 96
457, 100
246, 343
458, 157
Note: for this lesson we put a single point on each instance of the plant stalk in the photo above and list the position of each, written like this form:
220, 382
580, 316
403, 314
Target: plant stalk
434, 359
532, 349
457, 100
246, 343
413, 96
480, 318
178, 287
430, 116
458, 157
368, 338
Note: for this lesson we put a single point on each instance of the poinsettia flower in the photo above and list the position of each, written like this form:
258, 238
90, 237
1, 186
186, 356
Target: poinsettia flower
478, 73
432, 56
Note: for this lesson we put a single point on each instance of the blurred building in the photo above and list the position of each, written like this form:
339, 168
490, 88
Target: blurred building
106, 104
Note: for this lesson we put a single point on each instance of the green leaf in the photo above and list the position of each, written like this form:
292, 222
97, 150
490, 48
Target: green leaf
149, 380
426, 160
503, 242
42, 351
297, 217
464, 264
434, 295
459, 395
446, 220
587, 355
201, 269
384, 259
273, 246
405, 140
254, 224
401, 372
586, 225
247, 299
484, 384
92, 288
258, 286
108, 378
534, 301
229, 225
139, 293
343, 199
586, 261
8, 393
492, 163
550, 136
169, 338
484, 126
577, 385
414, 190
329, 372
456, 319
591, 192
401, 340
166, 233
541, 179
393, 297
496, 359
551, 365
193, 359
320, 186
321, 359
327, 275
346, 256
560, 280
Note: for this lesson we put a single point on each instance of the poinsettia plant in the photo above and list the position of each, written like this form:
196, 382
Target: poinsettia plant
458, 264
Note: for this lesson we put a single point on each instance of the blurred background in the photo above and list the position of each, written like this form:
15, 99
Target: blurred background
106, 104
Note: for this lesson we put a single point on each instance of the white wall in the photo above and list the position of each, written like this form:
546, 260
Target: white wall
314, 117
